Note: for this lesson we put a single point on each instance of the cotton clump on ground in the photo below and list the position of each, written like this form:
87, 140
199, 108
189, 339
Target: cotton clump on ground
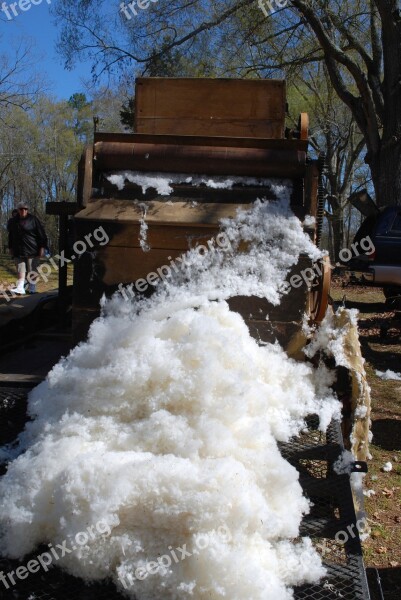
165, 424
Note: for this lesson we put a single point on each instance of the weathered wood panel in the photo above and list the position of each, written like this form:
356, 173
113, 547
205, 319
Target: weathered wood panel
124, 265
158, 237
221, 107
272, 331
101, 272
161, 212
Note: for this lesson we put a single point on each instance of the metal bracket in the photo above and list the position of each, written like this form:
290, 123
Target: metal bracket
359, 466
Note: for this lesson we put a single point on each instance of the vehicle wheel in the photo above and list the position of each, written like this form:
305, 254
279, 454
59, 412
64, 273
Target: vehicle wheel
392, 294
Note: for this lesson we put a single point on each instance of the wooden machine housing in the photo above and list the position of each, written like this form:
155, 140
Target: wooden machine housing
194, 126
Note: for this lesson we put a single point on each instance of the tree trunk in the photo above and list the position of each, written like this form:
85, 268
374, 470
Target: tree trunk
386, 161
338, 232
386, 174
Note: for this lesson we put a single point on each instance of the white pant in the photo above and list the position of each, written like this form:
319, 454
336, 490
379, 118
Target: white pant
25, 266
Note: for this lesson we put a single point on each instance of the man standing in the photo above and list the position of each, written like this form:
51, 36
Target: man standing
27, 241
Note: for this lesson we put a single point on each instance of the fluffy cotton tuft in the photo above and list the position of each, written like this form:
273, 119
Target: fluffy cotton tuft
389, 375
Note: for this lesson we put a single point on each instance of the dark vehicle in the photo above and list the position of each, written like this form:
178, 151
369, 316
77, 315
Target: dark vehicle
382, 267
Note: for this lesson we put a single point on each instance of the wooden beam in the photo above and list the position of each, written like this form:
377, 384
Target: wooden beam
200, 140
62, 208
19, 379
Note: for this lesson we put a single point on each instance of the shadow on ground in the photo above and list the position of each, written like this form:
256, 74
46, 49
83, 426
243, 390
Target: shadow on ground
367, 307
390, 583
387, 434
381, 359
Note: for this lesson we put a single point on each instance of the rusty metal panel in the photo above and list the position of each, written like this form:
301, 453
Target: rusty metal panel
220, 107
200, 140
214, 160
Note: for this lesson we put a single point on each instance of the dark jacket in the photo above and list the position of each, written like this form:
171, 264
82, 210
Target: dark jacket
9, 223
26, 236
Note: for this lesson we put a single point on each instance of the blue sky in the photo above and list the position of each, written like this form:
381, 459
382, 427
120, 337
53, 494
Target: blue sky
37, 23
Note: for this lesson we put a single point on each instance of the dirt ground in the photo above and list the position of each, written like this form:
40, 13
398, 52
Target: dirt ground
380, 337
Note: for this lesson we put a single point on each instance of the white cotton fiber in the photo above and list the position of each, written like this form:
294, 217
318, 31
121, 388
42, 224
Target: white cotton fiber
330, 338
389, 375
345, 463
361, 412
162, 182
164, 425
143, 229
159, 182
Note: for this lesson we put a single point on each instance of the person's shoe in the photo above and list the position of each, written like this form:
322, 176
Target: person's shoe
19, 289
32, 288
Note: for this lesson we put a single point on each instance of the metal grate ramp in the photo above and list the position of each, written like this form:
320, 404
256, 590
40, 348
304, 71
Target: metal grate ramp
312, 453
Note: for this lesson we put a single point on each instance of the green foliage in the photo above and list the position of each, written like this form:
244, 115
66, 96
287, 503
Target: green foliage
358, 41
78, 102
127, 114
43, 146
81, 111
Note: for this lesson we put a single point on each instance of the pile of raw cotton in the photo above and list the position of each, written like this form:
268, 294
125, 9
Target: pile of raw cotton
164, 425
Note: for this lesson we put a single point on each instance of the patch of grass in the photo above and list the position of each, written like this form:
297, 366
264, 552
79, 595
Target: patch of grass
386, 395
356, 294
